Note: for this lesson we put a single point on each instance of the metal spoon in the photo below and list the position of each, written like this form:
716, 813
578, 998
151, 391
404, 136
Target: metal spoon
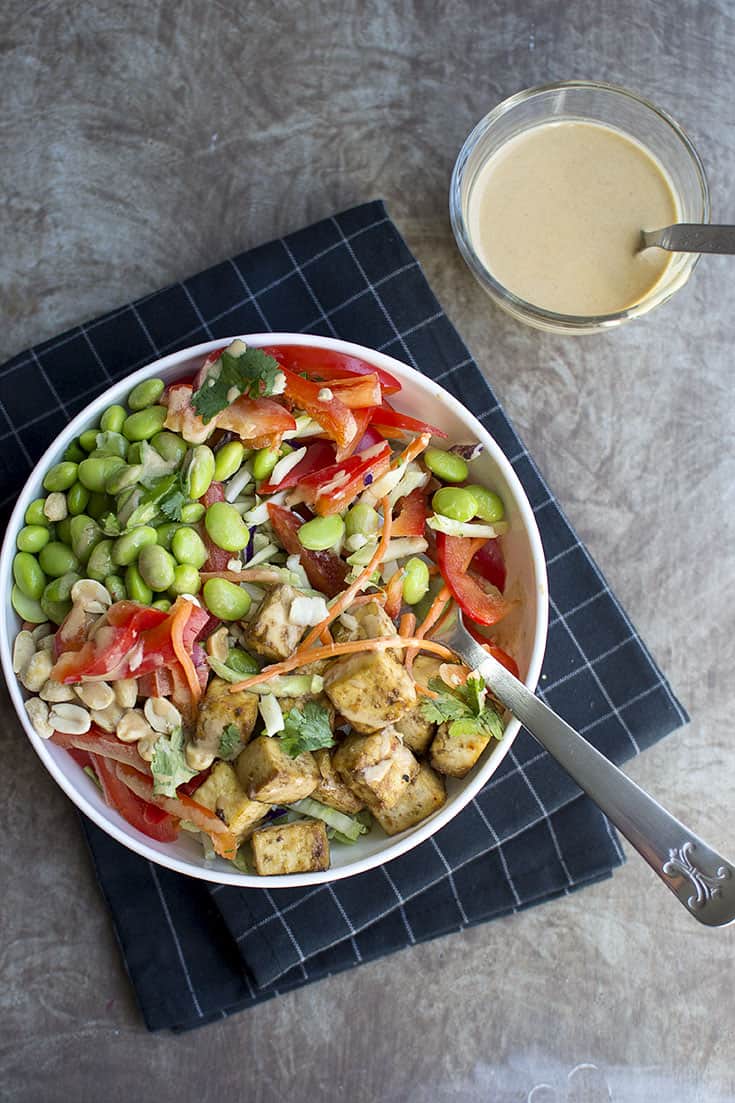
691, 237
701, 880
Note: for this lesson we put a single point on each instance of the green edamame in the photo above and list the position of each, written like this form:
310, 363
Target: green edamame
227, 460
186, 580
188, 547
447, 466
122, 478
144, 424
34, 514
55, 611
59, 589
226, 527
77, 499
264, 461
225, 600
112, 419
169, 446
100, 564
74, 452
84, 534
88, 440
156, 567
455, 502
95, 471
137, 588
199, 471
32, 538
63, 530
415, 581
165, 534
128, 547
61, 476
321, 532
241, 662
163, 605
361, 520
99, 504
57, 559
115, 587
192, 512
146, 394
135, 452
28, 575
490, 506
26, 607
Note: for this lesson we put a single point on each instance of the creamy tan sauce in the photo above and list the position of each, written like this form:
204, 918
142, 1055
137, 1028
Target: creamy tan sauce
556, 213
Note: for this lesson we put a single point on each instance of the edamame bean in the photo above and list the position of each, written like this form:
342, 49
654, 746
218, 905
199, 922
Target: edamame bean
112, 419
146, 394
188, 547
35, 515
135, 453
115, 587
490, 506
163, 604
56, 611
186, 580
99, 504
57, 558
455, 502
59, 589
94, 472
199, 471
226, 527
100, 564
415, 581
192, 512
321, 532
136, 586
84, 534
169, 445
77, 499
63, 530
74, 452
264, 461
227, 460
88, 439
61, 476
361, 520
32, 538
144, 424
447, 466
28, 575
156, 567
165, 534
26, 607
225, 600
241, 662
128, 547
123, 478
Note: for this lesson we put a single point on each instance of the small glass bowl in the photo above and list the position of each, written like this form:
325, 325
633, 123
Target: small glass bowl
578, 100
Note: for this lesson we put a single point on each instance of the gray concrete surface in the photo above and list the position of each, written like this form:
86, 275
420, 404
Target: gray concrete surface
142, 141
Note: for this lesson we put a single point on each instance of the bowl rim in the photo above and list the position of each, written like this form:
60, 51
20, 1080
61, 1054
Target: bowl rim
148, 848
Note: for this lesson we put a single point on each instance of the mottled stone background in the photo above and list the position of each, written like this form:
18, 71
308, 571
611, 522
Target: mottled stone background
144, 141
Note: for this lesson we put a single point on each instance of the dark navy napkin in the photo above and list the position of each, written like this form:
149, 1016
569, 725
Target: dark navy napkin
197, 952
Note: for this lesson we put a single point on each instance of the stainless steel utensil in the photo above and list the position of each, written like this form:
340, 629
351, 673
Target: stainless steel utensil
701, 880
691, 237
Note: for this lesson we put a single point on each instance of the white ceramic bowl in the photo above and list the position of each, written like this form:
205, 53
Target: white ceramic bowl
524, 632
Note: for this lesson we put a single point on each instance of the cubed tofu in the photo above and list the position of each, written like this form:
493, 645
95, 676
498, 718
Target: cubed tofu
364, 622
455, 755
423, 796
370, 689
219, 708
301, 847
270, 633
417, 733
223, 793
268, 774
288, 703
377, 767
331, 789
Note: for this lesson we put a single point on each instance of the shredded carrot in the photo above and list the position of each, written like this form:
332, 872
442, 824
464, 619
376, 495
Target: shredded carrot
424, 691
435, 610
347, 595
407, 625
317, 653
412, 450
179, 616
326, 637
394, 594
247, 574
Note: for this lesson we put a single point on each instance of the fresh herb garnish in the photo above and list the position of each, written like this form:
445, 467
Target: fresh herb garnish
253, 373
462, 708
229, 741
168, 764
306, 729
173, 500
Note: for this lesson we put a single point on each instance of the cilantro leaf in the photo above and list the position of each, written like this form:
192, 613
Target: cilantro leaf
253, 373
173, 501
306, 729
168, 765
462, 708
229, 742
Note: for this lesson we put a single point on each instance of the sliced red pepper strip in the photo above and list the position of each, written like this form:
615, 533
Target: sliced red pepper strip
334, 488
364, 437
489, 562
101, 743
412, 512
325, 571
359, 393
139, 813
393, 424
476, 597
319, 455
111, 643
332, 414
255, 418
327, 364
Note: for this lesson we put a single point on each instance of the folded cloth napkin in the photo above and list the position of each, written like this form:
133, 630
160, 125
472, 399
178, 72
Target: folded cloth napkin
196, 952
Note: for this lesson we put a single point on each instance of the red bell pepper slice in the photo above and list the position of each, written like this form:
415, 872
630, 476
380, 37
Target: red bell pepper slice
412, 512
332, 414
158, 683
139, 813
476, 597
256, 419
395, 425
492, 648
95, 741
364, 437
318, 455
489, 562
111, 643
333, 489
325, 571
327, 364
359, 393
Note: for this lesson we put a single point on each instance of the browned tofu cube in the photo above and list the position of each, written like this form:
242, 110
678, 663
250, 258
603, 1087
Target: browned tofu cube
294, 848
331, 789
417, 732
270, 632
455, 755
377, 767
219, 708
268, 774
363, 622
423, 796
223, 793
370, 689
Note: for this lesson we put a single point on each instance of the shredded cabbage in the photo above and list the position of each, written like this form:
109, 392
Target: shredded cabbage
349, 827
466, 528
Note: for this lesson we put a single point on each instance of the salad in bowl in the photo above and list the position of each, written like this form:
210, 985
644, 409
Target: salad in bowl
227, 595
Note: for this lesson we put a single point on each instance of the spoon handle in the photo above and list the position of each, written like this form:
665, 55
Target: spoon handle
700, 878
691, 237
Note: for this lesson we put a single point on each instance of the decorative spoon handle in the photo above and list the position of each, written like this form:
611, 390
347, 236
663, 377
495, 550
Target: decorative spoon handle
691, 237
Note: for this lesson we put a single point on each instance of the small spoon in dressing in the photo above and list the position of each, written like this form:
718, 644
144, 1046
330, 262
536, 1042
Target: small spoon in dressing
690, 237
